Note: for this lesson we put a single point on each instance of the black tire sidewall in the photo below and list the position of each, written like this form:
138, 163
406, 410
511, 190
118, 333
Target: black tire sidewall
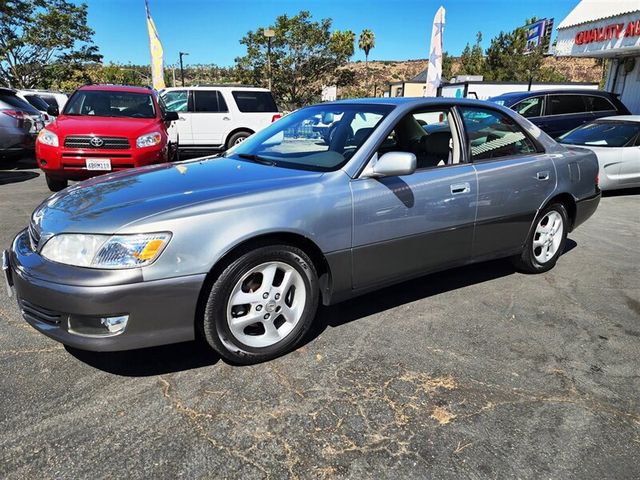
55, 185
233, 138
215, 328
529, 262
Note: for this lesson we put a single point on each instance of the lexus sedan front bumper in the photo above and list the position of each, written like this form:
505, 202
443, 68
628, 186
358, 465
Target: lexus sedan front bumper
100, 310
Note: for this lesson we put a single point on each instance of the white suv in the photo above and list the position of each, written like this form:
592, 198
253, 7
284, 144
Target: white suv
219, 116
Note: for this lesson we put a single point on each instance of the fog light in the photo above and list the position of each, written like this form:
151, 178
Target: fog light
98, 326
43, 163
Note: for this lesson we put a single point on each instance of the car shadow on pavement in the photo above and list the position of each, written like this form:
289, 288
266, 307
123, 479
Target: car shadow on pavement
622, 192
16, 177
178, 357
146, 362
411, 291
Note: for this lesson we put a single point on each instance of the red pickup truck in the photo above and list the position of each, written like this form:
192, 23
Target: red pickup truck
105, 128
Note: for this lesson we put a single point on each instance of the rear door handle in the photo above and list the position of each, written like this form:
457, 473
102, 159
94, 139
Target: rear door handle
226, 118
458, 188
542, 175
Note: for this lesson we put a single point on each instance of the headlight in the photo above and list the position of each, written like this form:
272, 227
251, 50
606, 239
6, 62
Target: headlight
106, 251
149, 140
47, 137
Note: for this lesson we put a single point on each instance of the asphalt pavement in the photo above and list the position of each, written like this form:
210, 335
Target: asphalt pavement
478, 372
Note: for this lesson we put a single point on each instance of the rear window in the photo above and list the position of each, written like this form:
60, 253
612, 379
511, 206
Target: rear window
598, 104
11, 101
602, 134
255, 101
209, 101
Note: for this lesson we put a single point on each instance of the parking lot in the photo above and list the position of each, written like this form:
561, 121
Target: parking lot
478, 372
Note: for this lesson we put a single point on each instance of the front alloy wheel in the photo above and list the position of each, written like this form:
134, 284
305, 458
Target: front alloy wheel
262, 304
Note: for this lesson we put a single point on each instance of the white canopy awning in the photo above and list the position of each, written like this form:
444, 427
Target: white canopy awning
593, 10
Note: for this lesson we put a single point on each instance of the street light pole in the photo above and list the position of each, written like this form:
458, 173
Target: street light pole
181, 67
269, 34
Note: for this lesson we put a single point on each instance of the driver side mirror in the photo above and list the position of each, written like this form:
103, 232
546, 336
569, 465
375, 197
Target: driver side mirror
170, 116
393, 164
53, 110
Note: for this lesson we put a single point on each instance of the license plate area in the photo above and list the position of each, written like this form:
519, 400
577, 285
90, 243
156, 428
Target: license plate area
101, 164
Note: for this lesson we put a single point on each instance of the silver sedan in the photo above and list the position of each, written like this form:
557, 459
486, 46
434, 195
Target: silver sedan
240, 249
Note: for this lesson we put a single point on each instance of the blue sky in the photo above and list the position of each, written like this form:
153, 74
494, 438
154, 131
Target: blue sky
210, 30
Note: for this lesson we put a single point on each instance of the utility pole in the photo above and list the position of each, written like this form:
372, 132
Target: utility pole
182, 67
269, 34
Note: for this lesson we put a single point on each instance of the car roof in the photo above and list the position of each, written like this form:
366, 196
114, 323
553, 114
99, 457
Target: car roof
228, 86
622, 118
418, 101
116, 88
535, 93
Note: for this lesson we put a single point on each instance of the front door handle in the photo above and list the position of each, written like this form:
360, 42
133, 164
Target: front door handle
459, 188
542, 175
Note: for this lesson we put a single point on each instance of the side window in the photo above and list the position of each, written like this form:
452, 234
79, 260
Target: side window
564, 104
598, 104
492, 135
426, 134
530, 107
209, 101
176, 100
254, 101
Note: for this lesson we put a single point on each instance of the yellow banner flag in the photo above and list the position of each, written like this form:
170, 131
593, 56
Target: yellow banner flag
157, 61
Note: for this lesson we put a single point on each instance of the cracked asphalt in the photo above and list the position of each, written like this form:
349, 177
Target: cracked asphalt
478, 372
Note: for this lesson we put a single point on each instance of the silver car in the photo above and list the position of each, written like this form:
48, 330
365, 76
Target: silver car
241, 248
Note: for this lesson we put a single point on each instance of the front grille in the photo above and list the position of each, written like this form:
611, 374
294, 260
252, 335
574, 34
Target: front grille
85, 141
33, 312
34, 238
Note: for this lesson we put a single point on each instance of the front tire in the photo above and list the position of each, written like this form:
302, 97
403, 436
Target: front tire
262, 304
546, 241
56, 184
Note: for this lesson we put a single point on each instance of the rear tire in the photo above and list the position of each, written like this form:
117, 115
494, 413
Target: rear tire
262, 304
546, 241
237, 138
56, 184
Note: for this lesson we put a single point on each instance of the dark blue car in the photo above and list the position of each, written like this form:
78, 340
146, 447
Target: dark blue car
558, 111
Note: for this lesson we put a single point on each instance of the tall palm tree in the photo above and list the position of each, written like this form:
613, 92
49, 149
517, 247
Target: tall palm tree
366, 42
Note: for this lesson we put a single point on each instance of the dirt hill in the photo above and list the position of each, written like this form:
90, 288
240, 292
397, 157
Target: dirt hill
384, 72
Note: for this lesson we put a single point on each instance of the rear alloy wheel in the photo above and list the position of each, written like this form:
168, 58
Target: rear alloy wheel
546, 241
262, 304
56, 184
237, 138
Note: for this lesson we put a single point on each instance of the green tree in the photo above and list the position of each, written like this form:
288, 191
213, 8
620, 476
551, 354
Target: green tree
43, 40
508, 59
305, 55
447, 67
366, 42
472, 60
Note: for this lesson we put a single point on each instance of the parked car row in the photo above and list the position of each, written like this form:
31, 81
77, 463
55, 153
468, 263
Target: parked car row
20, 122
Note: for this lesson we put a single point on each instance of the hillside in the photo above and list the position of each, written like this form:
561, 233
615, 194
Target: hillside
385, 72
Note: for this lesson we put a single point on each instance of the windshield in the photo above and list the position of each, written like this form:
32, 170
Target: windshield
110, 104
602, 134
320, 138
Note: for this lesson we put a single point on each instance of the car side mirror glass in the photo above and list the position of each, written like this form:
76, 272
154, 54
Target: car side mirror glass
394, 164
170, 116
53, 111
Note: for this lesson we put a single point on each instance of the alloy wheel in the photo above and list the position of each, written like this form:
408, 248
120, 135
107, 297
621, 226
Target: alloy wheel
266, 304
548, 237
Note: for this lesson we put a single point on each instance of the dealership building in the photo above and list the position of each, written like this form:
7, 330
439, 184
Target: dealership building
608, 30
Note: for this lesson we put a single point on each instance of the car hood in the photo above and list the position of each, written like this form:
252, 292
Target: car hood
108, 203
109, 126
